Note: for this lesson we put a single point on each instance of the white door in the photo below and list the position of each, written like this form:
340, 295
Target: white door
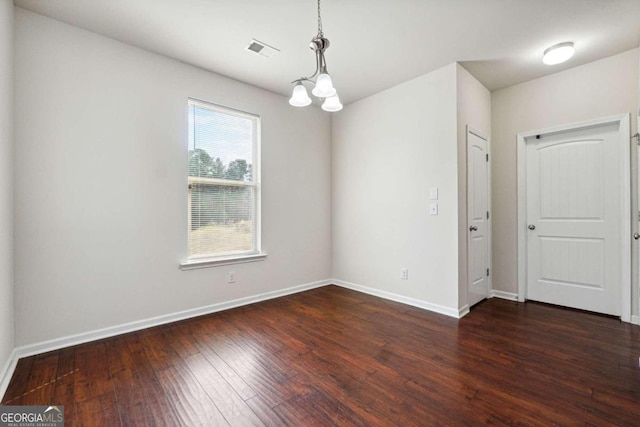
478, 217
574, 220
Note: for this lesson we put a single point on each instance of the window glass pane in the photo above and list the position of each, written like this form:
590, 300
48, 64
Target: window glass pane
223, 181
220, 145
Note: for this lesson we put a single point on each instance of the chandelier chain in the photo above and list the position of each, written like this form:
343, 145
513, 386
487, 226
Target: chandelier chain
319, 20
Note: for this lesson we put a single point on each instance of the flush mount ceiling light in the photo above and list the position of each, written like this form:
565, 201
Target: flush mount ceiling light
323, 86
558, 53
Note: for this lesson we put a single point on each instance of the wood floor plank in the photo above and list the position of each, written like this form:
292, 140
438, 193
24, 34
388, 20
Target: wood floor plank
18, 384
156, 399
124, 375
266, 414
97, 411
181, 338
191, 403
233, 408
332, 356
64, 391
325, 400
157, 347
41, 384
235, 381
92, 378
131, 398
248, 364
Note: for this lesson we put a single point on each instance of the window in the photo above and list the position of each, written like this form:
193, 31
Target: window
224, 185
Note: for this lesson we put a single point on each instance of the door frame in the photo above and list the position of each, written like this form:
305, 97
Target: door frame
623, 122
635, 319
480, 135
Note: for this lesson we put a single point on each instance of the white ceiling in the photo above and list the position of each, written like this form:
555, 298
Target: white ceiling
375, 44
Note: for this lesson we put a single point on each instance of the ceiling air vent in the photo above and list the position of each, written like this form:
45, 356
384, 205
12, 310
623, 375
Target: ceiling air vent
261, 48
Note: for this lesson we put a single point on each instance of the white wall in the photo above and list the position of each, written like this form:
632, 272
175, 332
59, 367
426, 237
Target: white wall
388, 150
473, 102
597, 89
100, 198
6, 181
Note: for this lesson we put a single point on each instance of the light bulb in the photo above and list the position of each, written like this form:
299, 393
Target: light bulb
324, 87
299, 98
332, 104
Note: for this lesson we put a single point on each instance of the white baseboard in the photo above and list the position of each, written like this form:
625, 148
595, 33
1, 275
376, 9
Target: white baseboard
7, 372
493, 293
635, 320
448, 311
463, 311
71, 340
57, 343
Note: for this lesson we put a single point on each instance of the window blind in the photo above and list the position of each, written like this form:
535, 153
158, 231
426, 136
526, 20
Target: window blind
223, 190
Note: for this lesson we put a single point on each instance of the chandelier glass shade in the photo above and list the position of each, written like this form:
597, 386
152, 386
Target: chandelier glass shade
300, 98
320, 79
324, 86
332, 104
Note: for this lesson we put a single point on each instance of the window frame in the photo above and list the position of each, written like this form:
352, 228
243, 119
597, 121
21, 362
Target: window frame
255, 254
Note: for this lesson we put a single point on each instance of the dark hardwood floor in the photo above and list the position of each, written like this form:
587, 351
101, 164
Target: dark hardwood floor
331, 356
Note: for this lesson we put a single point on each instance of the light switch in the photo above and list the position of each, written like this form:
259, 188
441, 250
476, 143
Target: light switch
433, 209
434, 194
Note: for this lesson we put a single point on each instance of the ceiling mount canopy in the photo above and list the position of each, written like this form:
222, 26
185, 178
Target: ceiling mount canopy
323, 86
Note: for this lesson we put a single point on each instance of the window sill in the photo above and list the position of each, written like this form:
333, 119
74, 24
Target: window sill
215, 262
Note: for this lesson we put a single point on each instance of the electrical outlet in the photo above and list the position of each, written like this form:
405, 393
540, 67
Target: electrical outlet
404, 273
231, 277
433, 209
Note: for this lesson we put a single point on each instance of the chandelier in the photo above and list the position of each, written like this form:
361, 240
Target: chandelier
323, 86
